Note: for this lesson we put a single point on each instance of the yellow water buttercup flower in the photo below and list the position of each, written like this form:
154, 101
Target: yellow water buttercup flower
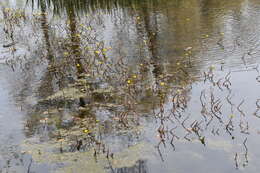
86, 131
162, 83
129, 81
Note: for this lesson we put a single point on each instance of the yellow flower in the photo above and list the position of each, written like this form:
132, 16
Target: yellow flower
129, 81
65, 53
104, 50
134, 76
232, 116
86, 131
97, 52
162, 83
78, 65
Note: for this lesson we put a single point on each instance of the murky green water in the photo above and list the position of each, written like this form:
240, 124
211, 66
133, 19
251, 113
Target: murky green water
130, 86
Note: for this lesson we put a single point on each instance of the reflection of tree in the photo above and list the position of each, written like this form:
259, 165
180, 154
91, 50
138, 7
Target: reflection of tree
45, 28
75, 38
150, 30
185, 31
92, 5
46, 87
139, 167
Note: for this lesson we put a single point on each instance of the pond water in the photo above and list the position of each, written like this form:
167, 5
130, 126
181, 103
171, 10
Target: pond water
129, 86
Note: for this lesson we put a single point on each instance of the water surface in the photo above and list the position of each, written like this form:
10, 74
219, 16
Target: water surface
130, 86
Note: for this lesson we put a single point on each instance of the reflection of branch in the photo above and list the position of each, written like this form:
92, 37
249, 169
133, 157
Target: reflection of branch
258, 78
236, 162
195, 127
203, 105
185, 137
188, 130
173, 135
229, 101
110, 166
184, 125
244, 129
209, 121
257, 108
29, 167
218, 84
208, 76
238, 108
256, 68
246, 153
227, 82
159, 151
172, 144
215, 107
243, 59
230, 127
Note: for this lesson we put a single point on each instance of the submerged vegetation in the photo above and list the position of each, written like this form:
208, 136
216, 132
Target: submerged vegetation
105, 90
